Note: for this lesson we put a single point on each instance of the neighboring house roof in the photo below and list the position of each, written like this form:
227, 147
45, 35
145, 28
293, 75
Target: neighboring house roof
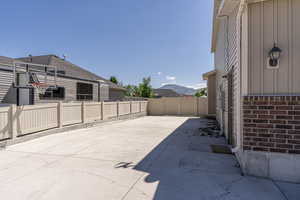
6, 63
165, 93
68, 69
6, 60
208, 74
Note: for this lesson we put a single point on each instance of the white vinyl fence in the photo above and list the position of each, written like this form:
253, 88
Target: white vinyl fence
22, 120
124, 108
34, 118
71, 113
135, 107
5, 125
184, 106
93, 111
110, 110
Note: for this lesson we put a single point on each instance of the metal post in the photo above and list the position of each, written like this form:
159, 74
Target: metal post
46, 75
99, 91
14, 81
55, 74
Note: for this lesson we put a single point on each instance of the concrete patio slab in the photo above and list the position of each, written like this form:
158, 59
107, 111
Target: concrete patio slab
292, 191
149, 158
7, 157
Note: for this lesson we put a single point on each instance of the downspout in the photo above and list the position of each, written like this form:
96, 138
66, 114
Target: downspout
239, 72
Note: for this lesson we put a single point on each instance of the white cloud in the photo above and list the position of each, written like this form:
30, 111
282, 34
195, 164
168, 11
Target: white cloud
197, 86
167, 83
170, 78
159, 73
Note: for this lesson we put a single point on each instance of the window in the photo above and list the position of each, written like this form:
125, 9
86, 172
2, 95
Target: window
58, 93
84, 91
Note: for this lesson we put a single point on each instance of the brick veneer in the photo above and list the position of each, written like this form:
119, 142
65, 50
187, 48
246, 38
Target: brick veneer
271, 123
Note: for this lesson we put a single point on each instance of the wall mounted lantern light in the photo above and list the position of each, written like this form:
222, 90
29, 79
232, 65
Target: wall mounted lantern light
274, 56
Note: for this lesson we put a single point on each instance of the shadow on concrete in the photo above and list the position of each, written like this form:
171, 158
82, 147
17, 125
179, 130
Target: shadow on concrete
185, 167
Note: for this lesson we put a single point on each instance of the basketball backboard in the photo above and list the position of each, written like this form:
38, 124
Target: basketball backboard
31, 75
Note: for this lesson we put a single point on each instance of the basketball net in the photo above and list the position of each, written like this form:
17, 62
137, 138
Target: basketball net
41, 88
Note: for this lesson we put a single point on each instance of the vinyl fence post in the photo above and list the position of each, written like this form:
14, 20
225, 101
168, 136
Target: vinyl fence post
130, 107
118, 107
83, 112
197, 102
13, 121
140, 104
179, 106
147, 107
102, 110
60, 114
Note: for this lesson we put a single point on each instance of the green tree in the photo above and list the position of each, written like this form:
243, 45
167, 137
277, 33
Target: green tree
130, 90
201, 92
114, 79
145, 89
136, 91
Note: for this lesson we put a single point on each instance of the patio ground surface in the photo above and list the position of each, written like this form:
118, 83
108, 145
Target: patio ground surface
161, 158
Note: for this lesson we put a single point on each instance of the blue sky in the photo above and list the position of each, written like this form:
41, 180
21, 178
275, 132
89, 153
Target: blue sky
168, 40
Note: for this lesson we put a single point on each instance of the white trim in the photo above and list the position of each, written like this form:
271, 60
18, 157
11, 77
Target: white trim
255, 1
244, 88
227, 7
223, 8
239, 75
244, 53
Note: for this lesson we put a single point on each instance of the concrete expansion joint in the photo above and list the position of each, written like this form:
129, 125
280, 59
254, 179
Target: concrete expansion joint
280, 190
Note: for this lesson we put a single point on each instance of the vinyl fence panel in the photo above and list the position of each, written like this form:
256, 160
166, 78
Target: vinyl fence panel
93, 111
110, 110
185, 106
5, 122
36, 118
72, 113
124, 108
135, 106
144, 106
18, 121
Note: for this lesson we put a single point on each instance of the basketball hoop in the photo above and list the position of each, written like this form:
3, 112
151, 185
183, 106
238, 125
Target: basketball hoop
41, 88
31, 75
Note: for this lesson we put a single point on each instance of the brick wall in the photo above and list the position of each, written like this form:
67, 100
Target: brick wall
271, 123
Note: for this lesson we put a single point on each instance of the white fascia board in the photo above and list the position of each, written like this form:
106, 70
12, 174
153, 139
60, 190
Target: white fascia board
227, 7
254, 1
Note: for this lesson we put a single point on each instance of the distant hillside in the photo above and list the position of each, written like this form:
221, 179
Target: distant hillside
179, 89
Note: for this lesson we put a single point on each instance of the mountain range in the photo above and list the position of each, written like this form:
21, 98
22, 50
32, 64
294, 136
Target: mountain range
180, 89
